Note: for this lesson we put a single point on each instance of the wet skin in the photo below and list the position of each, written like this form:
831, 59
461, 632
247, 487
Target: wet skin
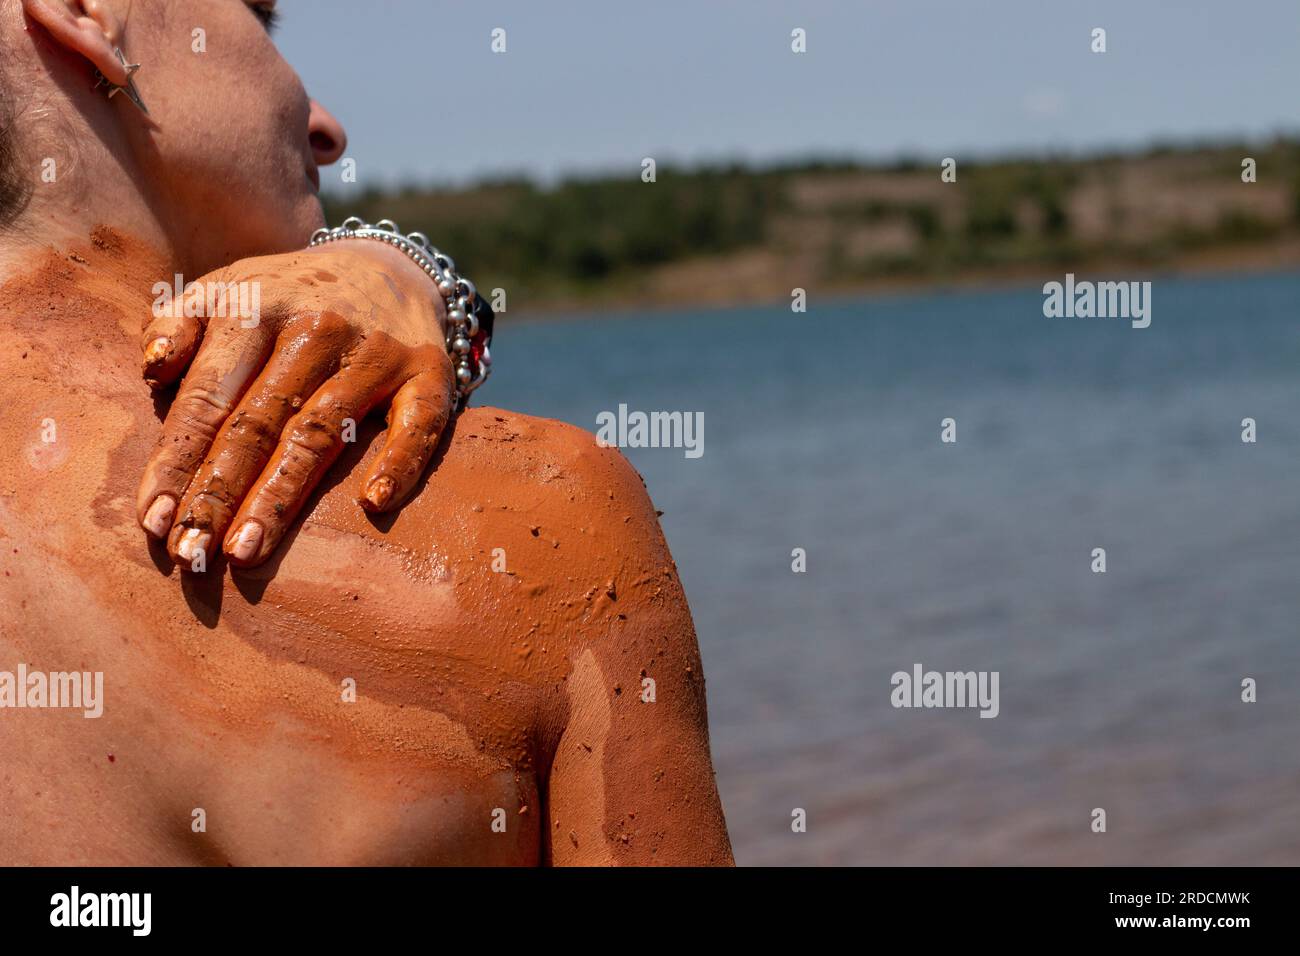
265, 404
482, 695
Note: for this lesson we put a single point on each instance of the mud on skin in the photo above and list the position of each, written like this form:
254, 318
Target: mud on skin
476, 689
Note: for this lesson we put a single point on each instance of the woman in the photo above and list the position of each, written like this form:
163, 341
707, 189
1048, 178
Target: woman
504, 671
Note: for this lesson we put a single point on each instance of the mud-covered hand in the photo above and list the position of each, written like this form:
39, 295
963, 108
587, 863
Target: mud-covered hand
290, 353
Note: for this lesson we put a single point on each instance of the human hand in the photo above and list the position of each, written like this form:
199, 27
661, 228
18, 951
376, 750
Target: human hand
295, 351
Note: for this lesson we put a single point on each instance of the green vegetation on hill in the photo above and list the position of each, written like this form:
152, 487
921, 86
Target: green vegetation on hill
735, 234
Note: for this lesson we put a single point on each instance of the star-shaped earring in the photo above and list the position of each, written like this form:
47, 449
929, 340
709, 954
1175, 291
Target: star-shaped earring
131, 92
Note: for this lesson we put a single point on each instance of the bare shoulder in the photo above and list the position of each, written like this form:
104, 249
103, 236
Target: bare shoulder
572, 524
554, 480
567, 514
548, 536
530, 566
554, 453
631, 777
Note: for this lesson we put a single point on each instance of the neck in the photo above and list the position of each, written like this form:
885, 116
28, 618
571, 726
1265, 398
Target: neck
84, 183
83, 231
82, 149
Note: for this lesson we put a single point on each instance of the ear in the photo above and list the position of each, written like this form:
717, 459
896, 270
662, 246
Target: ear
87, 28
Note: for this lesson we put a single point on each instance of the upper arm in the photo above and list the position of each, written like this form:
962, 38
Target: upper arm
631, 779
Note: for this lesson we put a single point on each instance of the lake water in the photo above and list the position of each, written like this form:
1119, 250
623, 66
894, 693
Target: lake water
1119, 690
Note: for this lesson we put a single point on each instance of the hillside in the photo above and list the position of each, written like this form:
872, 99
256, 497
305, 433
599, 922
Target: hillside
725, 235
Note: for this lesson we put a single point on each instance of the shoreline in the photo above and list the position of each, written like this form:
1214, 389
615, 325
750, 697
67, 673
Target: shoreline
1211, 263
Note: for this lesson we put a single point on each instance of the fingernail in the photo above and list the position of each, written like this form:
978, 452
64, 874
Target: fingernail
158, 519
192, 542
157, 350
245, 544
380, 490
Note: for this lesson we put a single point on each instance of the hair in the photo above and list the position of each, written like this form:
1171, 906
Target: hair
15, 189
15, 185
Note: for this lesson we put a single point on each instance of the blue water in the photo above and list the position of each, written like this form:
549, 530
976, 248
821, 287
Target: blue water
1118, 690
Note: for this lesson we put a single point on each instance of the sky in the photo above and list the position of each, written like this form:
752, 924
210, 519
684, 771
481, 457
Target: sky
594, 87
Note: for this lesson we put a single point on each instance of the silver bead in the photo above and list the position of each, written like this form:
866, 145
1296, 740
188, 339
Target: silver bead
459, 293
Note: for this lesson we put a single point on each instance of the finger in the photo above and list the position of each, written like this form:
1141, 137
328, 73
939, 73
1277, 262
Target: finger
312, 441
227, 361
169, 342
306, 354
172, 335
416, 418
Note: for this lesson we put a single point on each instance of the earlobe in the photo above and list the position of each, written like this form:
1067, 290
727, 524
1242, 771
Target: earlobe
88, 28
